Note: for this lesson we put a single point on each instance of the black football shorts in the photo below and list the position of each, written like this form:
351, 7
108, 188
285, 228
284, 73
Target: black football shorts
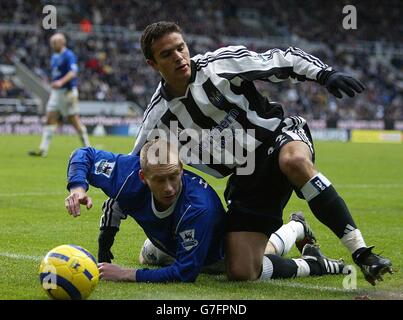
256, 202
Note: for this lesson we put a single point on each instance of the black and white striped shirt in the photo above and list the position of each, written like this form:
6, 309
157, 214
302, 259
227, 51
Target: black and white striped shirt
221, 97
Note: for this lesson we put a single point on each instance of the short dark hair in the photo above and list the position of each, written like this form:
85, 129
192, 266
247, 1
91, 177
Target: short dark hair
154, 32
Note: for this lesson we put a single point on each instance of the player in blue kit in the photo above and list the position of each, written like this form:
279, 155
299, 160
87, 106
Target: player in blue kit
179, 212
63, 100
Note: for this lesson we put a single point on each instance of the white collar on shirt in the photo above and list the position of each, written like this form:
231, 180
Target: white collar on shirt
167, 212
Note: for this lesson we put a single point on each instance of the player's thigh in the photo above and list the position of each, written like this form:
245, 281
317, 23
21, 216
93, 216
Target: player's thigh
256, 202
75, 121
295, 149
71, 102
52, 117
56, 102
294, 139
295, 161
244, 254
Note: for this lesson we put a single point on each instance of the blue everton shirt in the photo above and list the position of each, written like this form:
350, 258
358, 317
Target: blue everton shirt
61, 63
192, 232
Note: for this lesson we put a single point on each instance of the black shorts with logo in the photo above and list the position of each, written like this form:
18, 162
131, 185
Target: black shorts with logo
256, 201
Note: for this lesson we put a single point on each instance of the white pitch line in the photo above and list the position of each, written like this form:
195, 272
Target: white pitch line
392, 295
275, 282
95, 191
41, 194
354, 186
378, 294
20, 256
21, 194
310, 286
366, 186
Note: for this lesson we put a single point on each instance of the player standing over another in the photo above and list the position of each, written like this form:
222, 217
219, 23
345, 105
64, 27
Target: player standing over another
63, 100
216, 91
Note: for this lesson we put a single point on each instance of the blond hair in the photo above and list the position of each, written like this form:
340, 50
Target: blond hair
58, 36
158, 152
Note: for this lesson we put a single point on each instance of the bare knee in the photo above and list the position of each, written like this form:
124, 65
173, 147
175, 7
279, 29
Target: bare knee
241, 271
291, 162
76, 123
296, 163
52, 118
244, 255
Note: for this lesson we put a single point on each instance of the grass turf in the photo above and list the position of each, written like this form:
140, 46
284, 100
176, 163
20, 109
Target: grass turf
34, 220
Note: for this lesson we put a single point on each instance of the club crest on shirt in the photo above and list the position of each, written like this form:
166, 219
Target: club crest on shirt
262, 57
189, 240
216, 97
104, 167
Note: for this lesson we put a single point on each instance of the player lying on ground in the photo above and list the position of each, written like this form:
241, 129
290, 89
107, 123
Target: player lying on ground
296, 230
178, 211
212, 95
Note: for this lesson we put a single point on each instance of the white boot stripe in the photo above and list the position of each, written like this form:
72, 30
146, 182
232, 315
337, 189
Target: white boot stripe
326, 265
331, 267
336, 266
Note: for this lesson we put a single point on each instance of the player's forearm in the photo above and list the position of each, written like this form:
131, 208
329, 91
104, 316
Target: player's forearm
128, 275
78, 171
77, 176
68, 77
172, 273
305, 64
161, 275
85, 168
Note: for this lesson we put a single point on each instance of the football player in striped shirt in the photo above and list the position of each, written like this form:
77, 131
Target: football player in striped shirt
211, 99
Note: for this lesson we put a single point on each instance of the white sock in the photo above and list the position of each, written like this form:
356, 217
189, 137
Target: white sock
47, 134
267, 269
353, 240
284, 238
84, 136
303, 268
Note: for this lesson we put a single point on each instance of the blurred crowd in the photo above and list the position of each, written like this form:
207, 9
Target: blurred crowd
9, 89
112, 66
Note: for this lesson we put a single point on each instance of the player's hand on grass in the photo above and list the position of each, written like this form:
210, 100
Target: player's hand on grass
113, 272
77, 197
338, 82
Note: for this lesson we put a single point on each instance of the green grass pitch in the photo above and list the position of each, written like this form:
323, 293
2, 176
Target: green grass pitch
34, 220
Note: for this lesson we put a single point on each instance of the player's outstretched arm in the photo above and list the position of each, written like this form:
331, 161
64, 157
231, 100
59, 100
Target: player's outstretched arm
89, 166
78, 196
305, 65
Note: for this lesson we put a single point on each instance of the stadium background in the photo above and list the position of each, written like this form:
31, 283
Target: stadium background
115, 85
